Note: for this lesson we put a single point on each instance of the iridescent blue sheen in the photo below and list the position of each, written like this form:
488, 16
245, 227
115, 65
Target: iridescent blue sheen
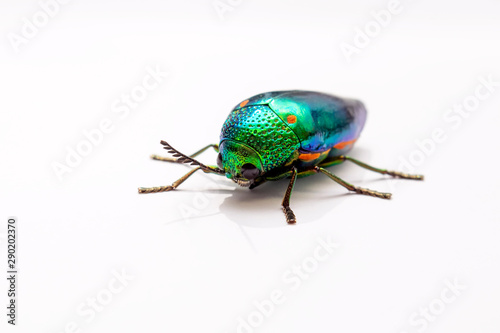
323, 120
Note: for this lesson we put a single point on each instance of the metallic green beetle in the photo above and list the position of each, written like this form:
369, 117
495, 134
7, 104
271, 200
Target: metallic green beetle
284, 134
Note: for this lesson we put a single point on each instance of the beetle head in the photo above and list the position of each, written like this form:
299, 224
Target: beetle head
240, 162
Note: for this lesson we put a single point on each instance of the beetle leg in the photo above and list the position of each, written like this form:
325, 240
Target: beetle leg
174, 160
382, 171
290, 216
353, 188
168, 187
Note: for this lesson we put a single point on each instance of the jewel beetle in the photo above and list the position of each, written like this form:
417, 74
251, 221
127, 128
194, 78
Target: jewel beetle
284, 134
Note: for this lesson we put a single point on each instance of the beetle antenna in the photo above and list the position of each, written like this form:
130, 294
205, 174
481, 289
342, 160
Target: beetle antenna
181, 158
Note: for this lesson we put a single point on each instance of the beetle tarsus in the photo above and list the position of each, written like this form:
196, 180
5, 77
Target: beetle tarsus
372, 193
167, 188
403, 175
290, 216
155, 189
396, 174
164, 159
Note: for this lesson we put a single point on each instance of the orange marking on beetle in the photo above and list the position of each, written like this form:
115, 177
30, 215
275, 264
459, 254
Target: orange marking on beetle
309, 157
242, 104
342, 145
291, 119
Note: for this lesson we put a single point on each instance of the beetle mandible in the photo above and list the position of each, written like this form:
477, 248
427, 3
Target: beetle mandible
284, 134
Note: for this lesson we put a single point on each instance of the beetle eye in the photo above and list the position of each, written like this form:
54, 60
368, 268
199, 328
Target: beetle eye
250, 171
219, 161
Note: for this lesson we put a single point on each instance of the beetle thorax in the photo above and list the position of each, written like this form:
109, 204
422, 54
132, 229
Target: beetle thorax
259, 128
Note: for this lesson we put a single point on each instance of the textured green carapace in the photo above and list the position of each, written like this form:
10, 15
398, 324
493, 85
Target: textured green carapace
259, 129
281, 127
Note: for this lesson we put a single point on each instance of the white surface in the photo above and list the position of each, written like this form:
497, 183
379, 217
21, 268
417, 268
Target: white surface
203, 273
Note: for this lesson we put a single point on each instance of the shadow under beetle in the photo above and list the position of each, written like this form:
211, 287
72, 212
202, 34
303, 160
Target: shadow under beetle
284, 134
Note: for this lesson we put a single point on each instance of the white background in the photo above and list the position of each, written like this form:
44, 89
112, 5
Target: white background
201, 256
